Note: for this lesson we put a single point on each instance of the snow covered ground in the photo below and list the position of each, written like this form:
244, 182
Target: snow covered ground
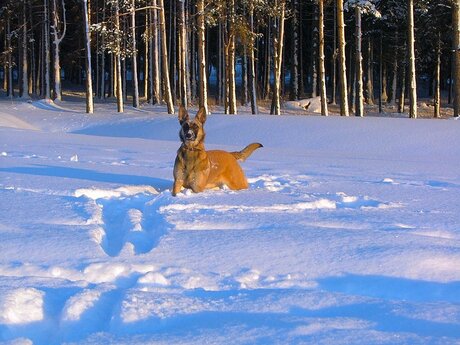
349, 233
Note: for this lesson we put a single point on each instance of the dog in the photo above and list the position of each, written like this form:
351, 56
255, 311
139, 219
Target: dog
198, 169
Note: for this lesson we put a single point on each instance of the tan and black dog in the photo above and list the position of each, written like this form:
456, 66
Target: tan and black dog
198, 169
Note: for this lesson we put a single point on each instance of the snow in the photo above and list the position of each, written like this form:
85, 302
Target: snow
348, 234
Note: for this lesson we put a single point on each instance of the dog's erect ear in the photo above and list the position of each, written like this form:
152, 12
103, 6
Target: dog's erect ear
183, 114
201, 115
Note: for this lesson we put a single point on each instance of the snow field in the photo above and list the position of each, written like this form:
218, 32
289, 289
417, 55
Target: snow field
349, 232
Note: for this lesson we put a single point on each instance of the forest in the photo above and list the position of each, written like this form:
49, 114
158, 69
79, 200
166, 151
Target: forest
234, 52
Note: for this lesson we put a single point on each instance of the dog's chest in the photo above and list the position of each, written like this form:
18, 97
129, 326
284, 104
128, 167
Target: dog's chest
196, 166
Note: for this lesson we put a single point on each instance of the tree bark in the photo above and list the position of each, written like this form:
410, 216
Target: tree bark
342, 60
134, 58
252, 73
57, 38
322, 70
359, 102
203, 85
46, 71
295, 52
456, 55
89, 83
182, 53
412, 71
437, 89
164, 59
117, 71
25, 73
370, 73
278, 60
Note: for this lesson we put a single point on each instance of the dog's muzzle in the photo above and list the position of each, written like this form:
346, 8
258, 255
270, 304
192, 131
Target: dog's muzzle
190, 135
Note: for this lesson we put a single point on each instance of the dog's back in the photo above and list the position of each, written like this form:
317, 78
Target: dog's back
225, 170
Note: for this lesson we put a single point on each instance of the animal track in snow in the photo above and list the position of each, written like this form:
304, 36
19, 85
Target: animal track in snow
126, 218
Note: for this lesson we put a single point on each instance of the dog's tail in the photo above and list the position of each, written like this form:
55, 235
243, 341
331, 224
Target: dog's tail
246, 152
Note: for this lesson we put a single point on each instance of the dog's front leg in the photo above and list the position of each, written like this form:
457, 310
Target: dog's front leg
177, 187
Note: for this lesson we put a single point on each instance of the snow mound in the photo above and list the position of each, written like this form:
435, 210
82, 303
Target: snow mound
21, 306
97, 193
310, 105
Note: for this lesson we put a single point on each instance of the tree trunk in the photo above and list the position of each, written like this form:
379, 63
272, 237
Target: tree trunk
46, 71
342, 60
334, 57
314, 61
57, 38
182, 53
402, 96
437, 91
456, 55
118, 81
147, 50
155, 59
203, 85
134, 59
359, 102
412, 71
370, 73
9, 69
230, 59
295, 52
278, 60
89, 83
164, 59
267, 68
252, 73
25, 73
102, 83
392, 99
322, 70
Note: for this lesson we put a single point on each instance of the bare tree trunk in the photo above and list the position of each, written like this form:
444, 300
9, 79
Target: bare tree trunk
46, 71
322, 70
342, 60
203, 85
334, 58
456, 55
24, 88
267, 70
392, 100
134, 59
57, 38
412, 71
147, 51
295, 52
252, 75
437, 91
89, 82
32, 78
102, 84
9, 69
359, 103
182, 53
402, 96
278, 60
118, 81
155, 58
370, 74
230, 59
314, 62
164, 59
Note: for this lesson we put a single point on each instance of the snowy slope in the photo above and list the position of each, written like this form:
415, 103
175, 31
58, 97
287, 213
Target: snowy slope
349, 233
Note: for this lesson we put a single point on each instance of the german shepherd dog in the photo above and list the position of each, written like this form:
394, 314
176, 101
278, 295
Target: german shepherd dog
198, 169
